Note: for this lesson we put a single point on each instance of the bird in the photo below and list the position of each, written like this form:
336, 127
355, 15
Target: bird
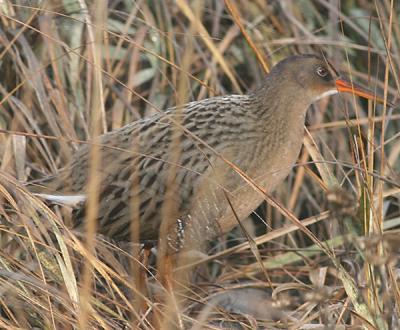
259, 134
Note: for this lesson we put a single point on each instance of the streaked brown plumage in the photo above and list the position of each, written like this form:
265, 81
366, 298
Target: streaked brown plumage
261, 133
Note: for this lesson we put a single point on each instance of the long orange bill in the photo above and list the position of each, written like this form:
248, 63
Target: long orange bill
346, 86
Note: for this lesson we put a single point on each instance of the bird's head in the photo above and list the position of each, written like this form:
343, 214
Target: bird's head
313, 78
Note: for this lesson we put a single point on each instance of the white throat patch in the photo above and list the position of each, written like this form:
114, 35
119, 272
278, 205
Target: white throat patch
327, 93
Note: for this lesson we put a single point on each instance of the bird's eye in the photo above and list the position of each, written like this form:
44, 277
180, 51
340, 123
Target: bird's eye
322, 72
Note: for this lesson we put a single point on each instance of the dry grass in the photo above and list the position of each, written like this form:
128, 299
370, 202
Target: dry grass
73, 69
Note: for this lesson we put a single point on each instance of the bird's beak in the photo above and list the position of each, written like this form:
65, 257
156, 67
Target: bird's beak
347, 86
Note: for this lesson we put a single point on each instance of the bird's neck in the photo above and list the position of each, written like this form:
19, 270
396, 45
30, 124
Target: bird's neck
278, 128
276, 113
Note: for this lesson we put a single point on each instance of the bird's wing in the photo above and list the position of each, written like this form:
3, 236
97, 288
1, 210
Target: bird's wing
142, 152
